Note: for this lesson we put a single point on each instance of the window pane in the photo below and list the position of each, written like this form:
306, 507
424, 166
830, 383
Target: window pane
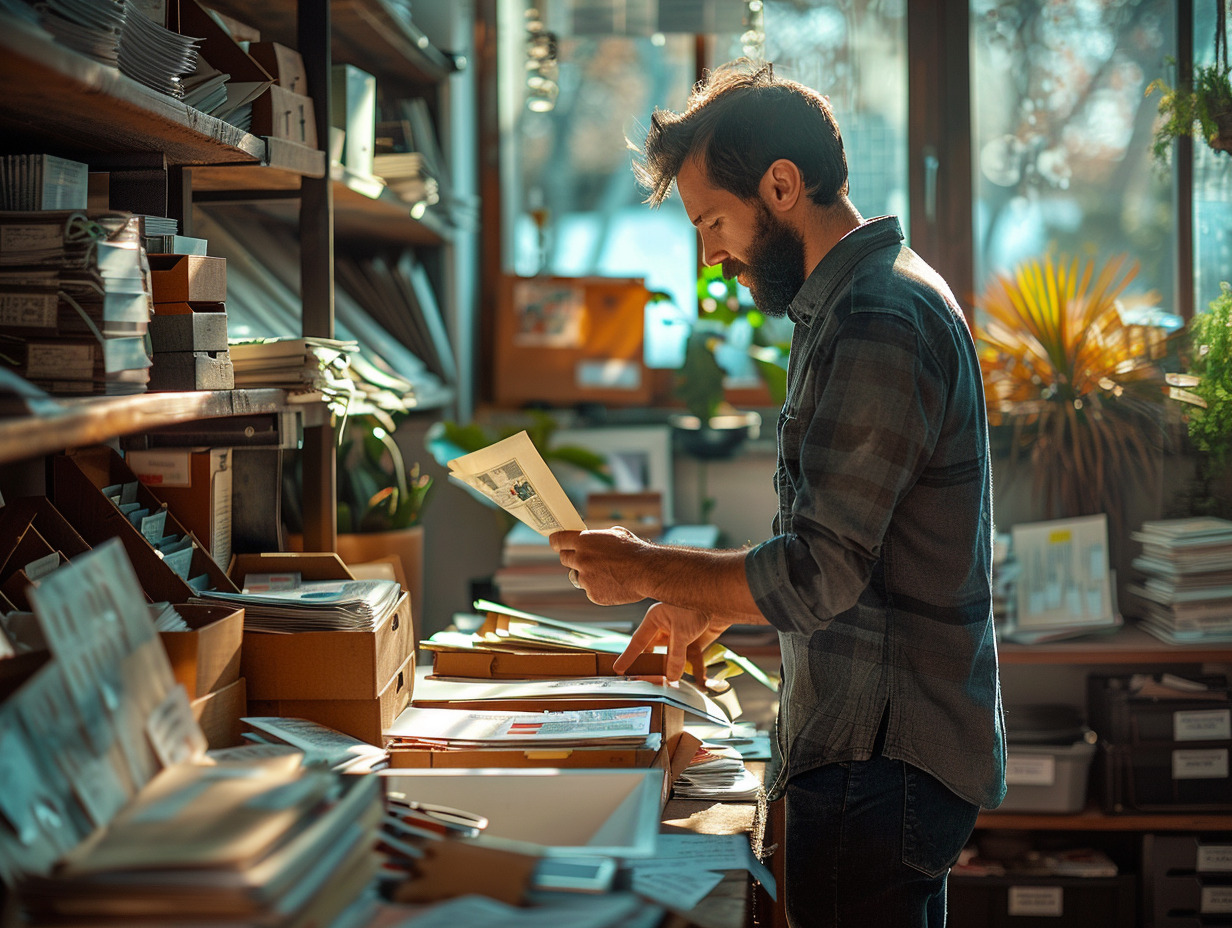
1212, 189
1062, 134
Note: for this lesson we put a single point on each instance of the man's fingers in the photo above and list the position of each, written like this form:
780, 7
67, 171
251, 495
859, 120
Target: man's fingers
564, 540
697, 659
643, 639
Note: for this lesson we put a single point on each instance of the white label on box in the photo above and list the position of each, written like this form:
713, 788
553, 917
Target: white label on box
37, 237
162, 468
1036, 900
1030, 770
1216, 900
1214, 858
50, 360
1197, 764
1202, 725
31, 310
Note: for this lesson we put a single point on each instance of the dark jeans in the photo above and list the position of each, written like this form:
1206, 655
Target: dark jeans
869, 844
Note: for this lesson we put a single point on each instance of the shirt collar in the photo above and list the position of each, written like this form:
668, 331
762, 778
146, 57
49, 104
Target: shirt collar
832, 270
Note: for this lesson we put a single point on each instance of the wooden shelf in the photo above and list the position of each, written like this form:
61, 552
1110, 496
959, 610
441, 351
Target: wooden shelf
52, 97
89, 420
366, 33
285, 164
1095, 820
1127, 645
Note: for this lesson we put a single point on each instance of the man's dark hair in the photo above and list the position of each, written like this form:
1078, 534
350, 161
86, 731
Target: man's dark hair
741, 119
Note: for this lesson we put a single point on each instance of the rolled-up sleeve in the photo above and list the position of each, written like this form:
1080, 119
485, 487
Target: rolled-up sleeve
856, 435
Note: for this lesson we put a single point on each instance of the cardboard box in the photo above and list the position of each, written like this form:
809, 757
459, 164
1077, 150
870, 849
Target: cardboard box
672, 758
524, 665
192, 370
188, 278
365, 719
78, 479
283, 114
207, 658
172, 329
219, 713
285, 65
195, 483
344, 665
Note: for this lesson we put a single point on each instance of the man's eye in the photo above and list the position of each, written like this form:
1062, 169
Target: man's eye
715, 225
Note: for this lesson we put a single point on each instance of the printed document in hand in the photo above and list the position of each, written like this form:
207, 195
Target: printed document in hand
513, 475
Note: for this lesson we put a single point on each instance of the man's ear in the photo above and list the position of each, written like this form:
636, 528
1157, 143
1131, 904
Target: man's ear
781, 186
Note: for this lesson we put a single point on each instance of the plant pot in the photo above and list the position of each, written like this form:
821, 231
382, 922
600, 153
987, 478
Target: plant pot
404, 544
1222, 140
720, 437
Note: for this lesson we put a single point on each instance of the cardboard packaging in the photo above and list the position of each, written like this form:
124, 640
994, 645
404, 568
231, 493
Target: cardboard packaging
188, 278
79, 477
195, 483
344, 665
283, 114
207, 658
354, 111
528, 665
365, 719
188, 330
219, 713
285, 65
192, 370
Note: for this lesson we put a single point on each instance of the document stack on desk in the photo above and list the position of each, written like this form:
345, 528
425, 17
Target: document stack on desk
285, 603
1184, 583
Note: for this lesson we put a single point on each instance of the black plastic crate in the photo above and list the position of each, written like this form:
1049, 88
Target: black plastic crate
1042, 902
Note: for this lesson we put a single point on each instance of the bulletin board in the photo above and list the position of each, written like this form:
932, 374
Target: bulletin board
561, 341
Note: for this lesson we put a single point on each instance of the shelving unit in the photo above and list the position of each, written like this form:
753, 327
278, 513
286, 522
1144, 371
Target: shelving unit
1127, 645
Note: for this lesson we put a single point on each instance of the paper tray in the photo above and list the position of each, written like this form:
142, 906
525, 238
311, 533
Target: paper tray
598, 813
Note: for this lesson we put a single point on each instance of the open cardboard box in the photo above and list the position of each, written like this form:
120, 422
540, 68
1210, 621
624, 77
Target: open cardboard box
219, 713
79, 477
342, 665
365, 719
551, 812
207, 657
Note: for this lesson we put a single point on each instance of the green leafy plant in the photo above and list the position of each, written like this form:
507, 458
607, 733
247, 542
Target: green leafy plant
451, 439
1082, 391
1201, 108
377, 492
1206, 388
699, 382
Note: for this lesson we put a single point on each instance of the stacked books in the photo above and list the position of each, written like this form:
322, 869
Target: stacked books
75, 301
1184, 588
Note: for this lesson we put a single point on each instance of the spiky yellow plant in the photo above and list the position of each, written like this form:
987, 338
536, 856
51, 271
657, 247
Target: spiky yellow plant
1080, 387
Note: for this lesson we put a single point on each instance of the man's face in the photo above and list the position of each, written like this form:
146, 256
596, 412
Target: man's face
751, 244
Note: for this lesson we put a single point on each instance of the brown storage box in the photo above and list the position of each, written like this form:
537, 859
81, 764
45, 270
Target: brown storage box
285, 65
283, 114
351, 665
528, 665
365, 719
195, 483
219, 715
188, 279
208, 657
672, 758
79, 477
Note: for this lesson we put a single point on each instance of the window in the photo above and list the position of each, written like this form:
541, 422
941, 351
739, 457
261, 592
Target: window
1062, 131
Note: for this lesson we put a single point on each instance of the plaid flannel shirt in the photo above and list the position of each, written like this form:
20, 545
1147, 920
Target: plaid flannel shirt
878, 576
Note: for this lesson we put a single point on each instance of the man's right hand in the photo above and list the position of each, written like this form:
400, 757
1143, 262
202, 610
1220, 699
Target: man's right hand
686, 632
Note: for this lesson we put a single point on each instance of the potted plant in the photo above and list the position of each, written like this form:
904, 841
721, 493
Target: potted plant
1203, 106
713, 428
1077, 392
1207, 390
380, 502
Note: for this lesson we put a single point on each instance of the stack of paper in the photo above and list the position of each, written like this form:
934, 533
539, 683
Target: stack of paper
320, 746
75, 301
717, 772
1184, 588
315, 605
246, 845
91, 29
153, 55
308, 363
468, 729
30, 182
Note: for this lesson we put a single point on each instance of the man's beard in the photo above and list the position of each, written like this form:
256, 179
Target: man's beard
775, 272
